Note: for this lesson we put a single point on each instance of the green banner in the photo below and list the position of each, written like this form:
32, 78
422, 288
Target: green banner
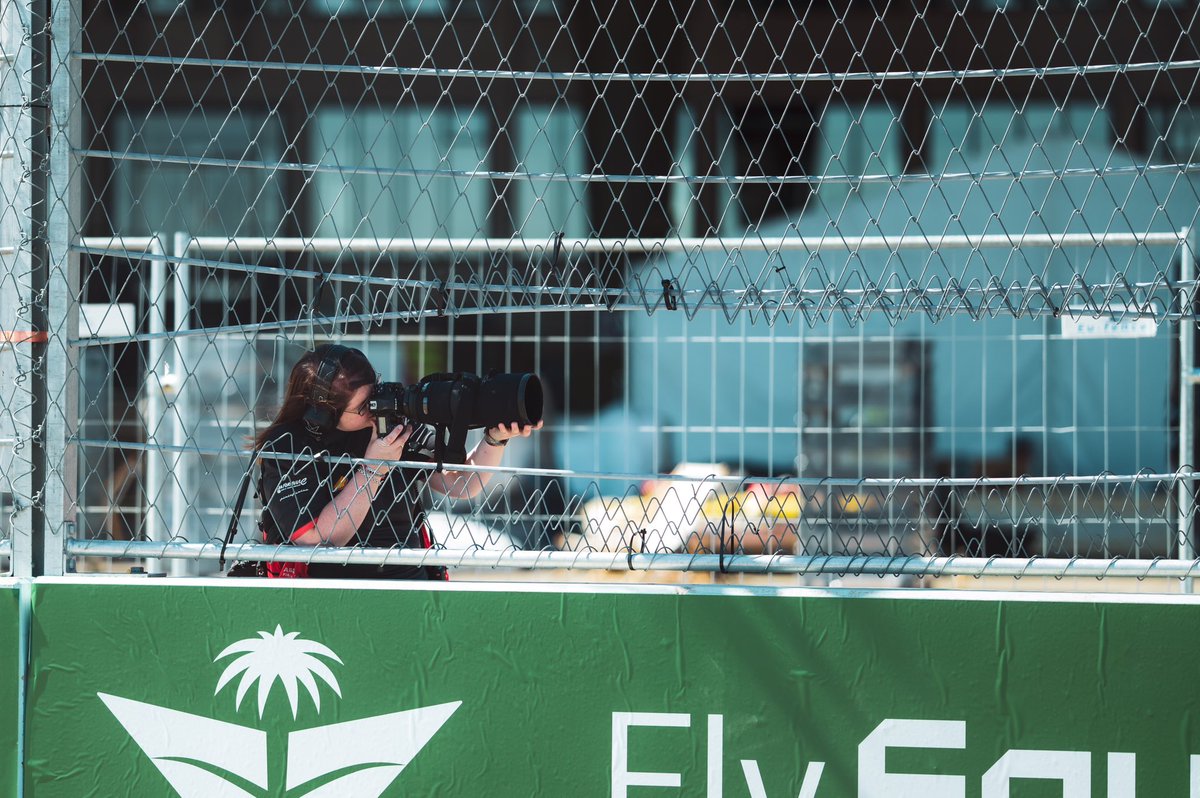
10, 685
213, 690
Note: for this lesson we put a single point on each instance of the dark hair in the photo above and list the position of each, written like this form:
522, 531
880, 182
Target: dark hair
354, 371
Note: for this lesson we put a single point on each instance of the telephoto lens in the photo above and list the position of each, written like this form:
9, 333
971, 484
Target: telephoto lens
508, 398
469, 401
465, 400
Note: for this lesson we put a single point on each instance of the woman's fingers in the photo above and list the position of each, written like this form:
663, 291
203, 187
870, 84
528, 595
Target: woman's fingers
390, 446
404, 436
528, 430
515, 430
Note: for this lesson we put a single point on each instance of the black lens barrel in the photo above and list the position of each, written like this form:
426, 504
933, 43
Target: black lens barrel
508, 398
499, 399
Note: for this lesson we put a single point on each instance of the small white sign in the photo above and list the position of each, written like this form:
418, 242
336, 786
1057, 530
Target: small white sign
101, 320
1106, 327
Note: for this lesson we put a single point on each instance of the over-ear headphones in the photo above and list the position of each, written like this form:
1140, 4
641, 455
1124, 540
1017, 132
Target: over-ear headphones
321, 416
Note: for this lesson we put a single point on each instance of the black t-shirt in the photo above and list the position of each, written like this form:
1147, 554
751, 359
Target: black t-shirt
294, 491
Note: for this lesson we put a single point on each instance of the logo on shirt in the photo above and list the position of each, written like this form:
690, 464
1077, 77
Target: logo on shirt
200, 756
290, 487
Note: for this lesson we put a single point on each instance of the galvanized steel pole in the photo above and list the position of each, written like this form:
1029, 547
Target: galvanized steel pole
1187, 396
61, 230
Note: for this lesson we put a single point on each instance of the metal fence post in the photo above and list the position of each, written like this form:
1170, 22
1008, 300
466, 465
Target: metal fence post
181, 487
62, 208
18, 333
1187, 395
156, 465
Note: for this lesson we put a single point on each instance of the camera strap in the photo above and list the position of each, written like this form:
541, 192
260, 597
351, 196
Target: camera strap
231, 532
450, 442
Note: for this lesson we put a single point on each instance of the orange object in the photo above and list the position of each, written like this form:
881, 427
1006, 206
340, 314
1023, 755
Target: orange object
23, 337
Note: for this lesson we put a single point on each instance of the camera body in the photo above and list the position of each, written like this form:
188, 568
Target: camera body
387, 406
454, 403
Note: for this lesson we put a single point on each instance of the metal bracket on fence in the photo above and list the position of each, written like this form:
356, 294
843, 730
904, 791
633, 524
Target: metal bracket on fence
319, 291
438, 296
670, 294
558, 240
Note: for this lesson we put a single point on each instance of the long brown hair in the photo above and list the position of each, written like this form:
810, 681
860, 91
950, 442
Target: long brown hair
354, 371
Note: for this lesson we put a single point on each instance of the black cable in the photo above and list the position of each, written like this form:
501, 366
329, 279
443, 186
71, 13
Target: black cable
721, 551
231, 532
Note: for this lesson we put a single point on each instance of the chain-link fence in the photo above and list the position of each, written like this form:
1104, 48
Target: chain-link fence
887, 289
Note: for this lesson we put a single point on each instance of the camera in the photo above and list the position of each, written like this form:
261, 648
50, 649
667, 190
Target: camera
454, 403
387, 406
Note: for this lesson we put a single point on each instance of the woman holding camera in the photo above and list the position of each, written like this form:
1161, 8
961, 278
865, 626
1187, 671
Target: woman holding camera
309, 501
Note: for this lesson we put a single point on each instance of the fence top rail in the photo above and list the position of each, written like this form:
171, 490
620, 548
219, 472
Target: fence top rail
1137, 170
155, 245
994, 73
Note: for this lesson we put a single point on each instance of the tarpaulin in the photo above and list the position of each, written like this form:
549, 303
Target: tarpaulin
10, 685
203, 689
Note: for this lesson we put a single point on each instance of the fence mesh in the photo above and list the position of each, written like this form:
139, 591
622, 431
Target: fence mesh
897, 288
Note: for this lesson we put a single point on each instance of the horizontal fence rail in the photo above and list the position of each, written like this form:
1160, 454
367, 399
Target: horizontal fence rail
869, 565
639, 77
140, 247
1025, 175
786, 293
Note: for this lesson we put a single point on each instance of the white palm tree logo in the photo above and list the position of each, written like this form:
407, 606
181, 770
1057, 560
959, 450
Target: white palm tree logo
286, 657
202, 757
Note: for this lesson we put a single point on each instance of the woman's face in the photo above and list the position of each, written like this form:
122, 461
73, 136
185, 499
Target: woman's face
356, 416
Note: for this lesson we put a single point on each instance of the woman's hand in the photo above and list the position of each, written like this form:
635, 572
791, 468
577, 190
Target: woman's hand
506, 432
338, 523
468, 484
390, 447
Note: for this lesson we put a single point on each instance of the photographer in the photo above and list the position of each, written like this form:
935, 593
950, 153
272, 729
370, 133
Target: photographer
309, 501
